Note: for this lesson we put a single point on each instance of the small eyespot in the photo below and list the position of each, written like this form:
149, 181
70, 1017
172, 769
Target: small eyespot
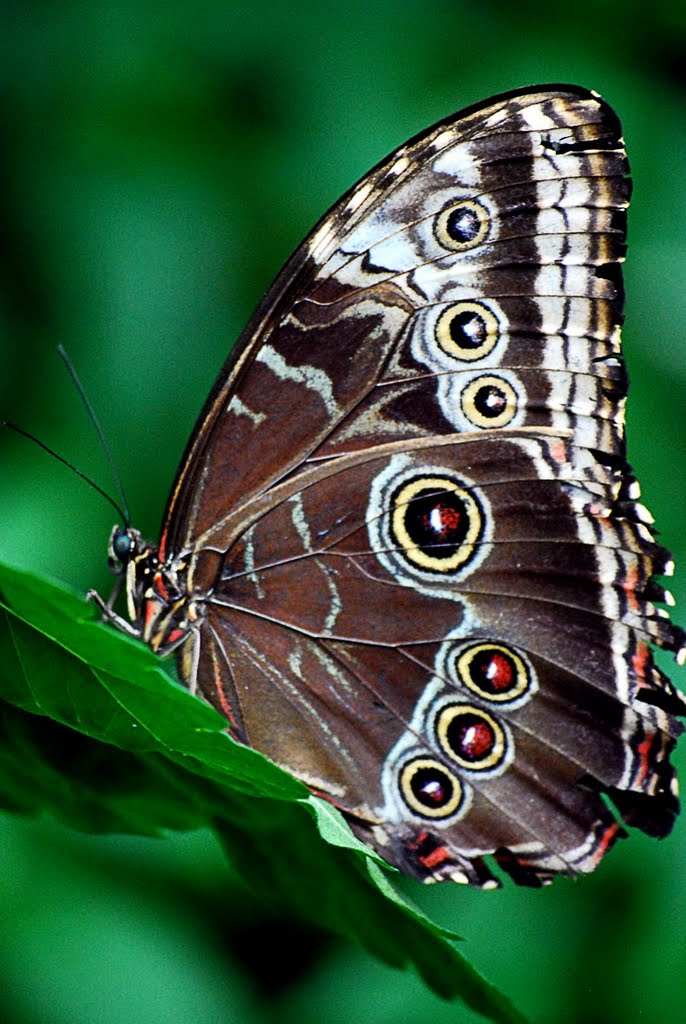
429, 789
493, 672
471, 738
467, 331
489, 401
436, 523
462, 225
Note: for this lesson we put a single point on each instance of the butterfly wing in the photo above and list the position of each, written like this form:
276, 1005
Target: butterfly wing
422, 580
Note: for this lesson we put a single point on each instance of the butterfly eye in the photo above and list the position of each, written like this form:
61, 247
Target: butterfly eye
463, 225
467, 331
121, 546
429, 789
489, 401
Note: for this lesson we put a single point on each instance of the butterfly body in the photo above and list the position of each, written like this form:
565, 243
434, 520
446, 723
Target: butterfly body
403, 554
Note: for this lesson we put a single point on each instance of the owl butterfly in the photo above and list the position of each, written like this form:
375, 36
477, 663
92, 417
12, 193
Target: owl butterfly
403, 554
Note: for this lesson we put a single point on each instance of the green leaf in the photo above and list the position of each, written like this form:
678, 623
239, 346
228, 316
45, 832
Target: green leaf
97, 733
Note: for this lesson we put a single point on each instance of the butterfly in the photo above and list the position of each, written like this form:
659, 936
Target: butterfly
404, 554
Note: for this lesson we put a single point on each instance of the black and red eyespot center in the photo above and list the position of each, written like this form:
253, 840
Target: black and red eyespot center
493, 671
442, 520
471, 736
437, 519
432, 787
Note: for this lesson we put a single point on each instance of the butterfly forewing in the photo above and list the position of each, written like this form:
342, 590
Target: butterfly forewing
545, 174
411, 564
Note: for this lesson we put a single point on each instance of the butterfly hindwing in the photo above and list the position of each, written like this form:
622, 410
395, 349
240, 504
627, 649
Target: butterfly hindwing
368, 614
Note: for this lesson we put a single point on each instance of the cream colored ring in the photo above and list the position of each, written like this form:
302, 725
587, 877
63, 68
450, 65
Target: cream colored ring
409, 546
471, 412
448, 344
483, 220
522, 673
407, 773
498, 751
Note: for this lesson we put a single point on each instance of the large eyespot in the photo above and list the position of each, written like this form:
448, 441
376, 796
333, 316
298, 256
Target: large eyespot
427, 526
463, 225
436, 523
429, 789
493, 672
472, 738
467, 331
489, 401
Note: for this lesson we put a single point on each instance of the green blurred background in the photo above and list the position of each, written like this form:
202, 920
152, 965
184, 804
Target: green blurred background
160, 161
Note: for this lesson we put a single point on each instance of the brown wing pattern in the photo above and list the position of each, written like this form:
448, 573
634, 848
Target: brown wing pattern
414, 568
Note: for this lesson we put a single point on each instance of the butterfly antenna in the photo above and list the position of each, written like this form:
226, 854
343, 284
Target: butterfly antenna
65, 462
103, 441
